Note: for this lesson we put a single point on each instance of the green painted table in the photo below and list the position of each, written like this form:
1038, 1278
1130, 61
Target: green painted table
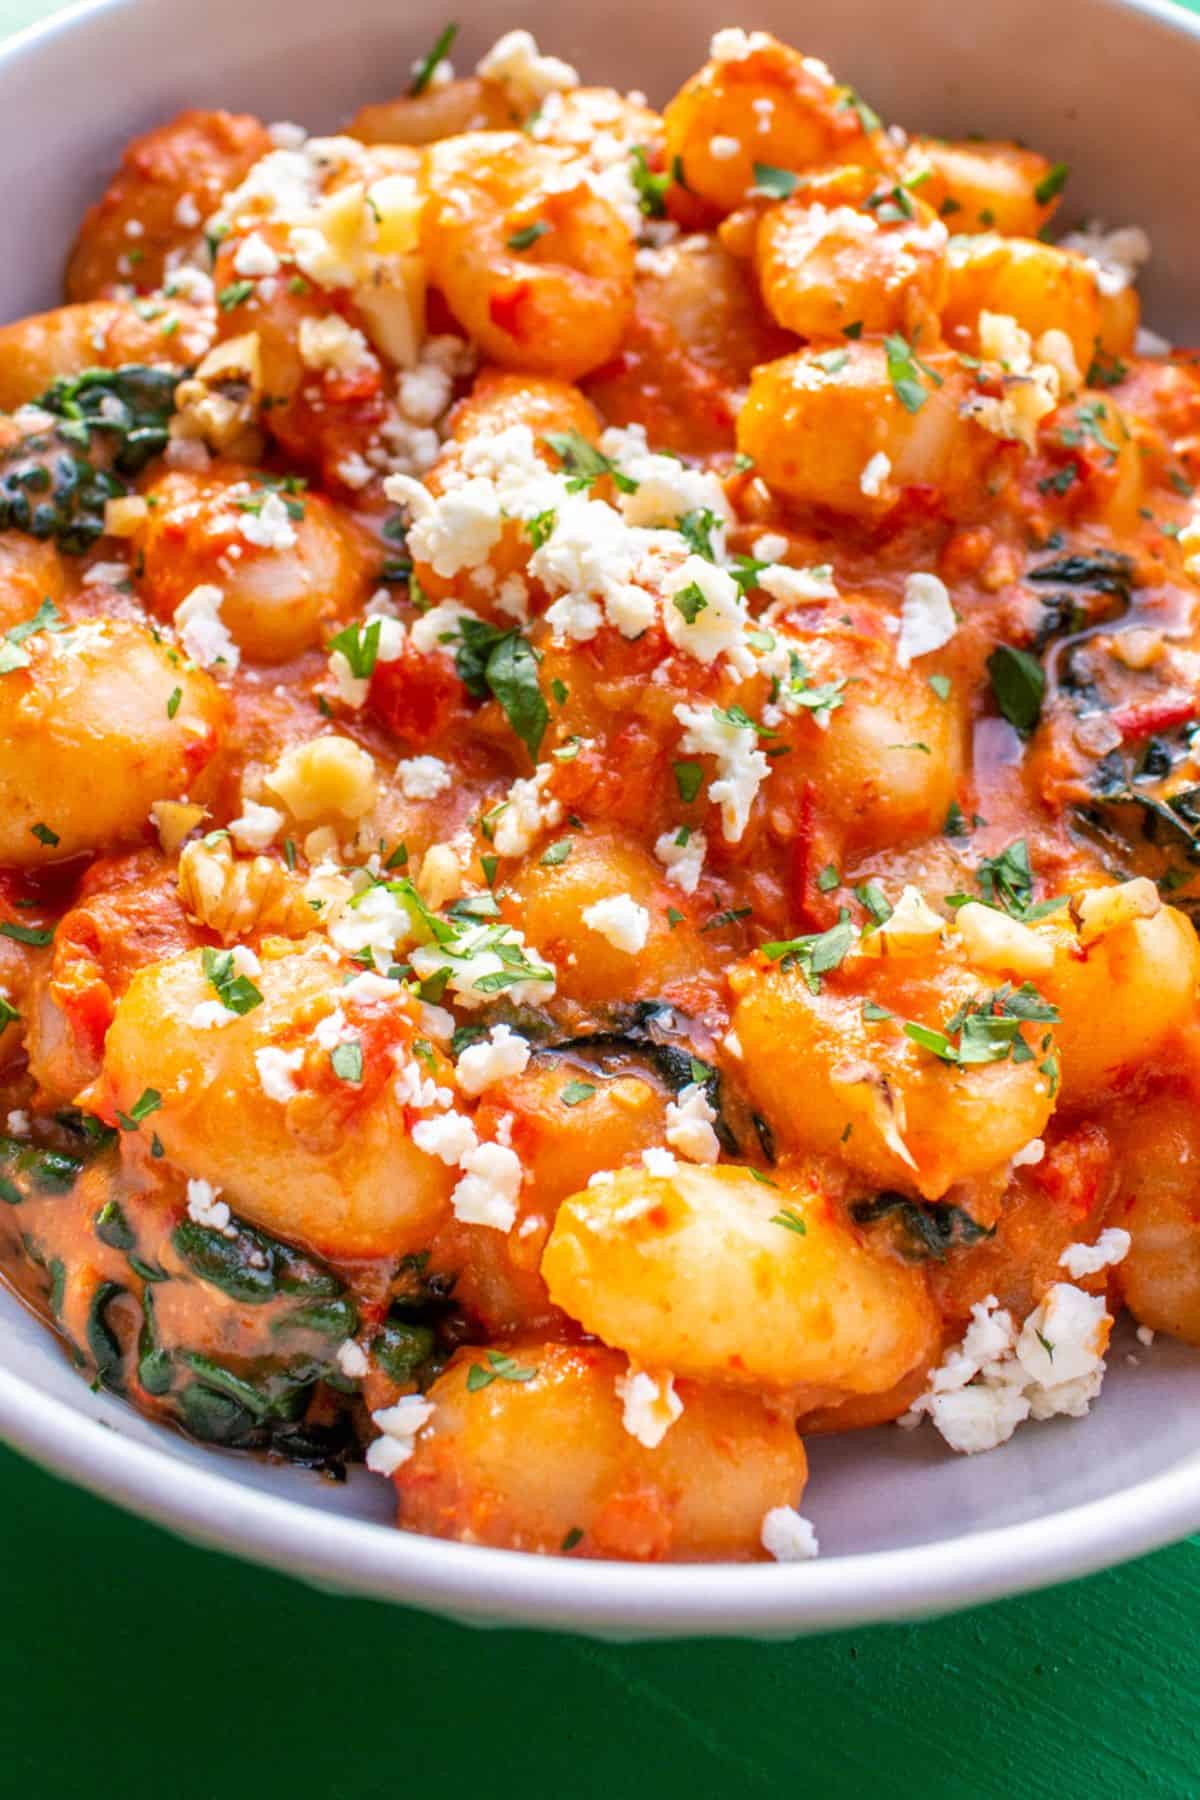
135, 1665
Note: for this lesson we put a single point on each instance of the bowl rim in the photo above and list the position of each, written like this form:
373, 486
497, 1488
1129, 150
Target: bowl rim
483, 1586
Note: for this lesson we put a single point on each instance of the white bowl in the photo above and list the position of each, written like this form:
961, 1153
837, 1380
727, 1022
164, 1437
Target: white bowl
906, 1529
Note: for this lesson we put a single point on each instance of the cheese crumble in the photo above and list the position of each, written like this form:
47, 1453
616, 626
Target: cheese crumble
650, 1405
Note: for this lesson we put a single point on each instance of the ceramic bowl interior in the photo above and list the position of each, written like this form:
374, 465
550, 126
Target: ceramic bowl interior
905, 1527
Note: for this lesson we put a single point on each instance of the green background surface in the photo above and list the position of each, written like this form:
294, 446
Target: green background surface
134, 1665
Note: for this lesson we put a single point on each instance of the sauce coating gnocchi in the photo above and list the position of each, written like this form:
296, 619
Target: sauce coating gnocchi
599, 796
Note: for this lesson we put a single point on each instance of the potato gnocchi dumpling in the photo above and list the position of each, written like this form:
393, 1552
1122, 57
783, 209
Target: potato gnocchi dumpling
599, 795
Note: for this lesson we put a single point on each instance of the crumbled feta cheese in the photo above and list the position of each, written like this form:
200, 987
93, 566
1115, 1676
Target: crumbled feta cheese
1034, 378
1030, 1155
206, 1209
331, 1030
254, 256
705, 614
277, 1071
681, 853
287, 136
450, 1137
187, 213
479, 953
1081, 1260
423, 777
351, 1359
203, 632
210, 1015
772, 547
257, 827
1064, 1341
502, 1055
650, 1405
417, 1090
487, 1193
927, 618
270, 528
734, 45
375, 921
987, 1386
354, 471
665, 488
689, 1125
620, 920
400, 1425
515, 64
528, 810
458, 531
1116, 256
590, 560
425, 392
791, 586
106, 574
875, 473
657, 1161
186, 283
994, 941
371, 991
18, 1123
979, 1418
911, 928
1150, 343
1102, 910
331, 345
788, 1536
1145, 1335
741, 765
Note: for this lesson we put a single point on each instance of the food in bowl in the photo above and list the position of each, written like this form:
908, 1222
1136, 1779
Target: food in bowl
600, 805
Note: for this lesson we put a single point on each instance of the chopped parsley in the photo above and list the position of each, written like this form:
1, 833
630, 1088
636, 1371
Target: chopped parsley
988, 1029
499, 1367
584, 464
149, 1102
539, 529
650, 188
427, 67
12, 653
905, 370
347, 1060
689, 602
817, 954
237, 993
1052, 183
359, 644
27, 934
528, 235
696, 528
689, 778
234, 295
773, 183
